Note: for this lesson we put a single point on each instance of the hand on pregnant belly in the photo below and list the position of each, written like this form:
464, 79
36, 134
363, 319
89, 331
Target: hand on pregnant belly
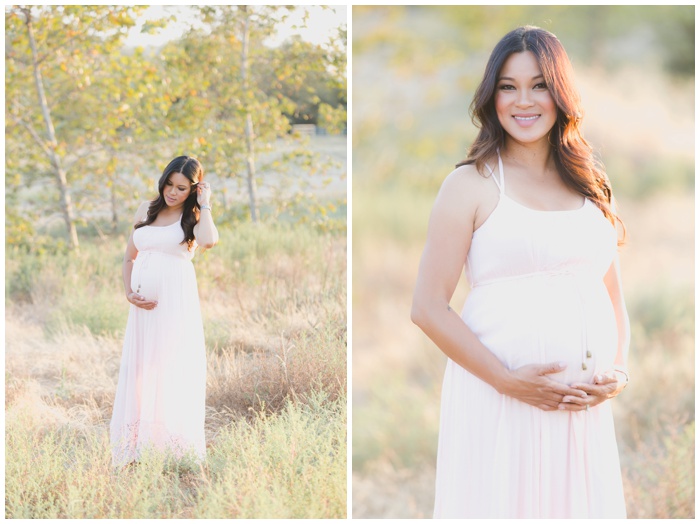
141, 301
530, 384
604, 387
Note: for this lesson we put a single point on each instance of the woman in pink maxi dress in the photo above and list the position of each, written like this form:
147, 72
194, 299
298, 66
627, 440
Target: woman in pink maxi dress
160, 400
526, 427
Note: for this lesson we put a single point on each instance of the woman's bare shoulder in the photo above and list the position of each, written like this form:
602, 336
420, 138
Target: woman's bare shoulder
142, 211
466, 185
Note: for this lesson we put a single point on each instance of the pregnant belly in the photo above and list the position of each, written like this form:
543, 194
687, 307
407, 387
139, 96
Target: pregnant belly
146, 277
546, 319
159, 276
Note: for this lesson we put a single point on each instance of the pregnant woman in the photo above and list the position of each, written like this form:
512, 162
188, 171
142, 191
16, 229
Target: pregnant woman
526, 429
160, 398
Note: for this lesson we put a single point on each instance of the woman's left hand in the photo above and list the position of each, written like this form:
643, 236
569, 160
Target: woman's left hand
604, 387
203, 193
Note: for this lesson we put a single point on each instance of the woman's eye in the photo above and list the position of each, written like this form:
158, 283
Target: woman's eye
505, 87
541, 85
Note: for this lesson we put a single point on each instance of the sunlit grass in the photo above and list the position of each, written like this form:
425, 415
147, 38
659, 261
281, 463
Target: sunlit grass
285, 465
273, 300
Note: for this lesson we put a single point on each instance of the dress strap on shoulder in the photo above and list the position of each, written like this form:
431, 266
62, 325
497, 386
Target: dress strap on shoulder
502, 185
493, 175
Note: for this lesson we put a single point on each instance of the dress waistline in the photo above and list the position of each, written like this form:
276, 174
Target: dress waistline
534, 274
145, 256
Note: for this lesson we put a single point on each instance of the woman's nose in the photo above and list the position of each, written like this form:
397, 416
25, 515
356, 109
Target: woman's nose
524, 98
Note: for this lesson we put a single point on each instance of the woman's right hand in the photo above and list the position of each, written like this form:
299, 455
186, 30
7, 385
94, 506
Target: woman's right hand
140, 301
530, 384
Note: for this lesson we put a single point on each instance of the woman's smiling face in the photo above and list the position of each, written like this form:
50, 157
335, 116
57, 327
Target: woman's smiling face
176, 190
524, 105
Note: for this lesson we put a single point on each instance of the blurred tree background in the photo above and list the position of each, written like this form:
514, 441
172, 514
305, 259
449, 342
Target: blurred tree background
415, 70
98, 120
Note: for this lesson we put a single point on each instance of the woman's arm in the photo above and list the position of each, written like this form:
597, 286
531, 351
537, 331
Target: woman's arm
128, 265
205, 232
449, 238
613, 283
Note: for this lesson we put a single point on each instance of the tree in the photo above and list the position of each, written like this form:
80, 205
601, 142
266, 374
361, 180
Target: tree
225, 86
318, 85
58, 62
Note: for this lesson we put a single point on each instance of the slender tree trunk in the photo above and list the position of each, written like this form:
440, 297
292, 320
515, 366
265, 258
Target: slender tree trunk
249, 131
113, 197
111, 174
61, 180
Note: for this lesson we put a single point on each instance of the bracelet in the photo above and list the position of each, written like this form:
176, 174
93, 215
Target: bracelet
627, 377
205, 206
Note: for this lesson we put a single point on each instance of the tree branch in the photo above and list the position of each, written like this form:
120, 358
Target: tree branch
34, 134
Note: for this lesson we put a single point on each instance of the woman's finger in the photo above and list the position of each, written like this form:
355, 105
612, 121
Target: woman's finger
146, 304
604, 379
598, 390
569, 406
574, 400
564, 390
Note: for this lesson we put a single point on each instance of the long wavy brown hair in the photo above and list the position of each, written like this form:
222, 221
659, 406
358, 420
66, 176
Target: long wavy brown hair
192, 169
573, 155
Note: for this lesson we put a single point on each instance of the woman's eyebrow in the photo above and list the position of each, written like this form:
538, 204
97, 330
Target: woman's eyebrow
513, 79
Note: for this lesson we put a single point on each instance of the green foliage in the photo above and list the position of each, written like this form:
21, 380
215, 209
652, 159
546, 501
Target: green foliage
96, 99
333, 119
215, 90
309, 78
136, 110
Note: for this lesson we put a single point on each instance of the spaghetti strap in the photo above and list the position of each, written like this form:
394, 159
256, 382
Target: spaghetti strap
502, 185
493, 175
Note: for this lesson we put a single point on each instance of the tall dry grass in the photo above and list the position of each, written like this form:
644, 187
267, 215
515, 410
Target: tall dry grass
273, 303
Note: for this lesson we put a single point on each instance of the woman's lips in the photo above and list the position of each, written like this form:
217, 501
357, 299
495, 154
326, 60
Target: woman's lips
526, 120
169, 199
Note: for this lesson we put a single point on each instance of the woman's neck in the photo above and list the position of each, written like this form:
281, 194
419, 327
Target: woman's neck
537, 159
168, 211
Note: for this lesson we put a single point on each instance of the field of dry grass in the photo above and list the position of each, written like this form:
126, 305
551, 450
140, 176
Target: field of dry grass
273, 301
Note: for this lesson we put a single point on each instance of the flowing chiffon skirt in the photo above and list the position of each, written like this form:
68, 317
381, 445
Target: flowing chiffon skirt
160, 399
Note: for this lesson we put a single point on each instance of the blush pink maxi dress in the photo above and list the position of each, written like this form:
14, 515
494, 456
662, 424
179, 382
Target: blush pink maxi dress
160, 399
537, 296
